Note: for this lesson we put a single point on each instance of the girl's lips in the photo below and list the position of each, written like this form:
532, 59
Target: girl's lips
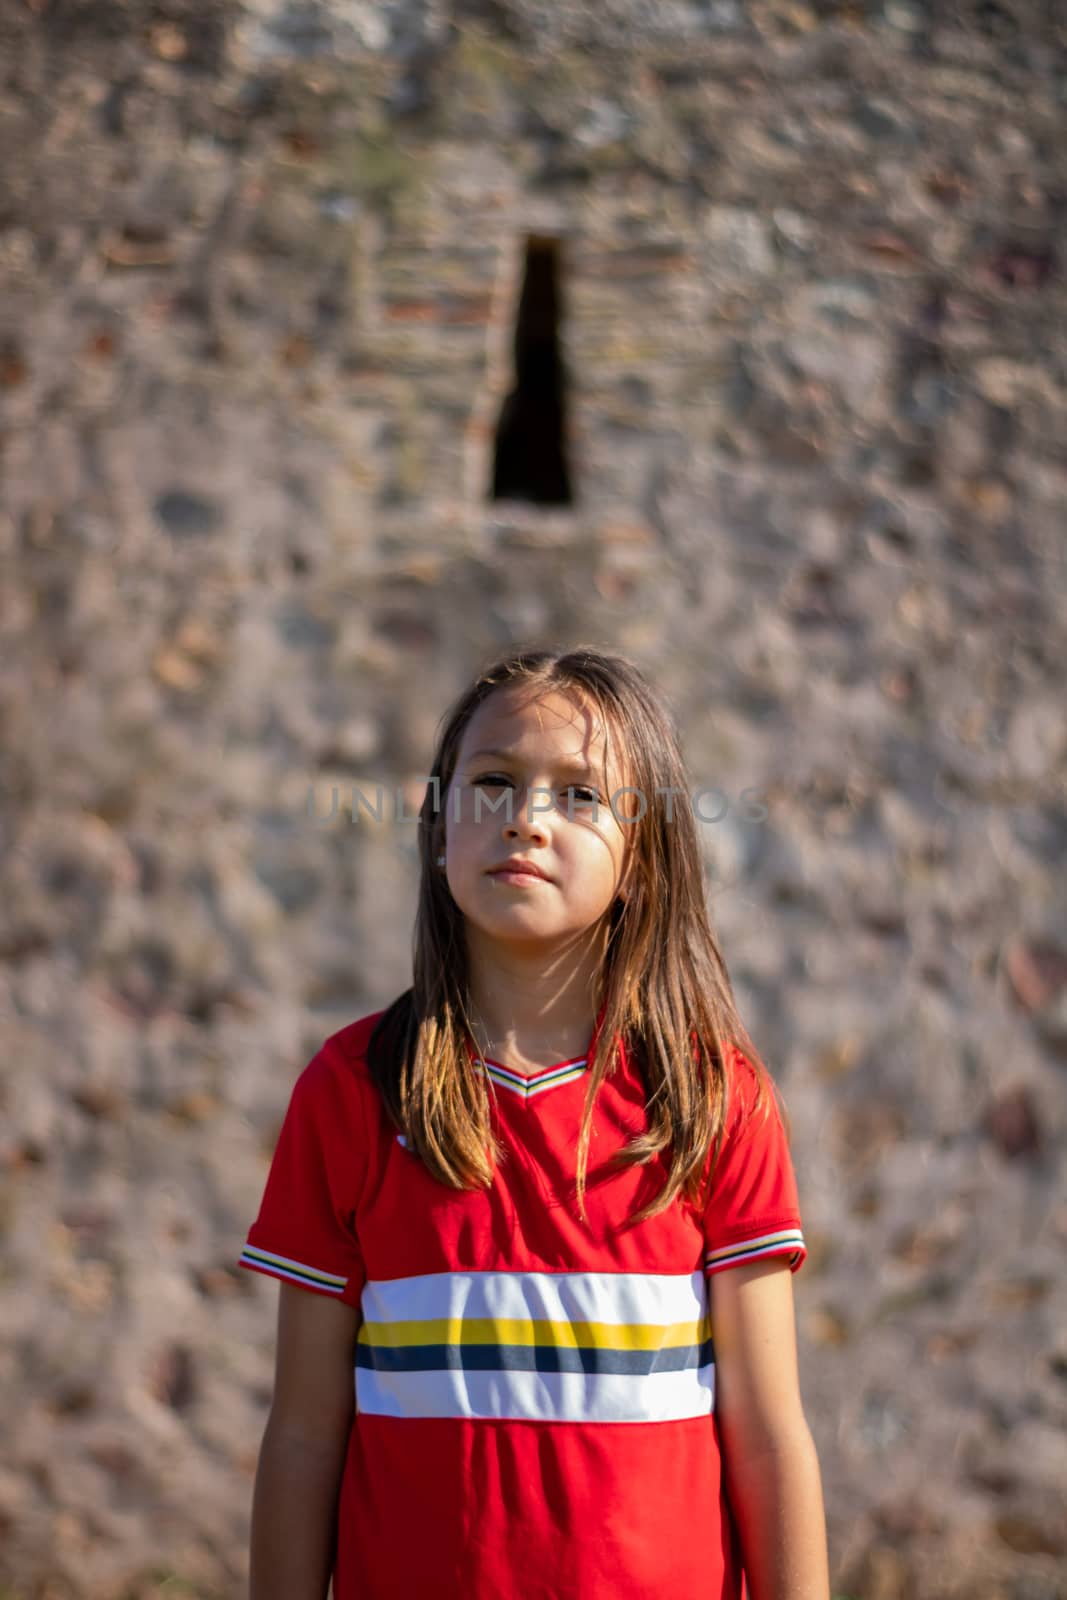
515, 875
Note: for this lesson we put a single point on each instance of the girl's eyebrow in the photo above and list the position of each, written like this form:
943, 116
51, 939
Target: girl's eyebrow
573, 765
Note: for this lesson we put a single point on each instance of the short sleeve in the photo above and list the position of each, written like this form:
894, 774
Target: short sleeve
305, 1231
752, 1209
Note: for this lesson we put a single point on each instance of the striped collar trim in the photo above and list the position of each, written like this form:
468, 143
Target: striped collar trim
537, 1082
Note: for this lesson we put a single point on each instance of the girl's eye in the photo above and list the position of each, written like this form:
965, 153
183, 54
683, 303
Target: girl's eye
583, 794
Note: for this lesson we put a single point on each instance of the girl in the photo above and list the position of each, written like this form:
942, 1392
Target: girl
543, 1207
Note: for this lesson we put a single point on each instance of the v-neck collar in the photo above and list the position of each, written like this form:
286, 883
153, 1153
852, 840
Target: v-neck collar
526, 1086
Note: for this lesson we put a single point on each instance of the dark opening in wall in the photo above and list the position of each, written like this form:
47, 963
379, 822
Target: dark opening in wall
529, 461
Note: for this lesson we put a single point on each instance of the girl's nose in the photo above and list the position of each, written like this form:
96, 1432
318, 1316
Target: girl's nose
530, 812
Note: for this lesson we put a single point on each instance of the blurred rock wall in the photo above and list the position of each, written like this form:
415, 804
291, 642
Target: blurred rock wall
261, 267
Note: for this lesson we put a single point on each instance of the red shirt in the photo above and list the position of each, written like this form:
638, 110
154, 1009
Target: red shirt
535, 1396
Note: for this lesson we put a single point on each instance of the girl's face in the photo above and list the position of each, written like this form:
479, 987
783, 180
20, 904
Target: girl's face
540, 764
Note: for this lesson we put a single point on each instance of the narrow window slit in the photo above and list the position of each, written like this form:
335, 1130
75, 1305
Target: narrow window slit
529, 459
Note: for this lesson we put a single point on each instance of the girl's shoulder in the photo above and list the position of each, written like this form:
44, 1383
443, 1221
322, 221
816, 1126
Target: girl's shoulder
751, 1092
351, 1043
338, 1071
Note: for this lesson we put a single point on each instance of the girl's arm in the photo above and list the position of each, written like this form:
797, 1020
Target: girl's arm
771, 1470
294, 1506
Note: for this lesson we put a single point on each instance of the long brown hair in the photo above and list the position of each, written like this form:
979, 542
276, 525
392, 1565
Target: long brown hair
664, 987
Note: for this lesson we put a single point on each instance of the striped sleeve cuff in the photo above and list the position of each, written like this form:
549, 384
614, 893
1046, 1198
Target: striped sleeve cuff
783, 1241
296, 1271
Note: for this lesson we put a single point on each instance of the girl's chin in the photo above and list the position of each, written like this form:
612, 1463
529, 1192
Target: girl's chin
520, 924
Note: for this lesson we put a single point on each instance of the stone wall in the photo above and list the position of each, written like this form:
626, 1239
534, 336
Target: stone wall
261, 267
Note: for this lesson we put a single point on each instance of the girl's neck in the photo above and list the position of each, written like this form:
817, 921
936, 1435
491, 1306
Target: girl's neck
526, 1014
519, 1050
